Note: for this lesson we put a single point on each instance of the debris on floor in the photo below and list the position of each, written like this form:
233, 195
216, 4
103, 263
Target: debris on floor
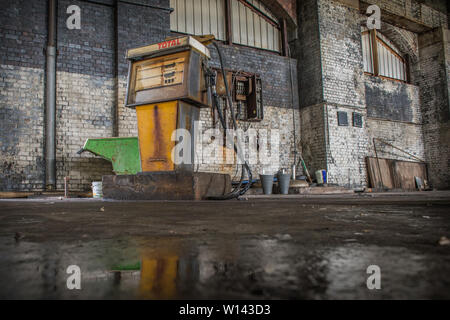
444, 241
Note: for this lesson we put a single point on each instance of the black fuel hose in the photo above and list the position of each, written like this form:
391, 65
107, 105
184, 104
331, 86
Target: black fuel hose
245, 167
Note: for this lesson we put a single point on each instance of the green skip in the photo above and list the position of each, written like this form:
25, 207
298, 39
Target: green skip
123, 153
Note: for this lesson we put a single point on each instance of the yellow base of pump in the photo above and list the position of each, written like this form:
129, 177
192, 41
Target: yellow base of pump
156, 123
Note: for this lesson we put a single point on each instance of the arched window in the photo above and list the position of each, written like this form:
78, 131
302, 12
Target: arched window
251, 23
381, 57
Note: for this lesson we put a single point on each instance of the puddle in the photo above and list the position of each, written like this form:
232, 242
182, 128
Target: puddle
265, 267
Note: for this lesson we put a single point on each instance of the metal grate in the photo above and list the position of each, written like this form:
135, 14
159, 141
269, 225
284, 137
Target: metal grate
357, 120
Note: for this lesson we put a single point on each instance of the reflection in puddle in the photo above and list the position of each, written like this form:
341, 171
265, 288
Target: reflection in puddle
254, 268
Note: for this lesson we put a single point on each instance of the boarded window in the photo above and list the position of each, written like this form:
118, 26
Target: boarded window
389, 62
253, 25
198, 17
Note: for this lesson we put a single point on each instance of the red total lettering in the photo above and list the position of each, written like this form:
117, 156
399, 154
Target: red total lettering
169, 43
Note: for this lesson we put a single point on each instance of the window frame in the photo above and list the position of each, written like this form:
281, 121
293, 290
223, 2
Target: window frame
374, 39
279, 26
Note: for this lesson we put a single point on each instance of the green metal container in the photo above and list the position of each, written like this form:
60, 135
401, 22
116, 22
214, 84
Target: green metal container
123, 153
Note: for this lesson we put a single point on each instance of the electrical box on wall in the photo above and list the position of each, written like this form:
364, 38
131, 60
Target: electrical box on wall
246, 93
255, 103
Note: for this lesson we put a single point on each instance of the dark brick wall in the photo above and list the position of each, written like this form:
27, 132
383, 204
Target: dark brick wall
306, 49
85, 91
22, 61
23, 33
434, 49
89, 50
341, 51
137, 26
273, 69
91, 83
392, 100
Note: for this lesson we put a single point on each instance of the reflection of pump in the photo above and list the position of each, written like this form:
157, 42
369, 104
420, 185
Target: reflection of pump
158, 278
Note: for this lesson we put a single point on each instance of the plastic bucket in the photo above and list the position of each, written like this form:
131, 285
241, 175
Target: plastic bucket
284, 181
97, 190
267, 183
321, 176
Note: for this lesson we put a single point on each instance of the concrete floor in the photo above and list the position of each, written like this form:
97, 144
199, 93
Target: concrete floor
299, 247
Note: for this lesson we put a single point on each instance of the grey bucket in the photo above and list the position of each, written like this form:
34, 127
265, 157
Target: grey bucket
284, 181
267, 183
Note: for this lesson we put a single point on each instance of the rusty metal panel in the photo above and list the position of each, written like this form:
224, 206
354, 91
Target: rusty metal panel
166, 186
156, 123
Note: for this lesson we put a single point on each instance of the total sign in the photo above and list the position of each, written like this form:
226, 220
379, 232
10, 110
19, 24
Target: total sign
170, 43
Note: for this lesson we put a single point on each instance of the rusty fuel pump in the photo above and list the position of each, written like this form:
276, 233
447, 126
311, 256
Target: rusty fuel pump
168, 84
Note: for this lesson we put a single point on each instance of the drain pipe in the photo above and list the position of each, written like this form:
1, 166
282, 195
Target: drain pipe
50, 103
294, 166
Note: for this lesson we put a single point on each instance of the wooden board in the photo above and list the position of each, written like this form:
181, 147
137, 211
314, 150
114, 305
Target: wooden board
385, 180
395, 174
405, 173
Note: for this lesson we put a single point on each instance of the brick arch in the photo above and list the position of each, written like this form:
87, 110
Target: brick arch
404, 40
283, 9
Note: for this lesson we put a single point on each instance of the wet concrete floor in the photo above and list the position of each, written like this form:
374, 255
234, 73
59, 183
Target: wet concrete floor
255, 249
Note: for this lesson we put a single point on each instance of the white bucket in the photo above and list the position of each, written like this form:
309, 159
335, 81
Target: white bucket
97, 191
